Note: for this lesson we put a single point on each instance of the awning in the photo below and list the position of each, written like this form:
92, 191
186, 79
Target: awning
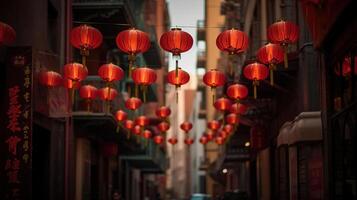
307, 126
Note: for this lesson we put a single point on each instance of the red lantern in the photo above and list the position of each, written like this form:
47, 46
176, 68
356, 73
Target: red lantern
147, 134
232, 119
110, 72
238, 108
69, 84
214, 125
110, 149
213, 79
49, 78
186, 126
283, 33
237, 91
232, 41
129, 124
203, 140
120, 116
209, 135
143, 76
7, 34
142, 121
256, 72
133, 103
88, 92
176, 41
107, 94
75, 72
163, 112
271, 54
228, 128
85, 38
189, 141
132, 42
219, 140
136, 130
177, 78
223, 134
346, 67
158, 139
163, 126
172, 140
222, 104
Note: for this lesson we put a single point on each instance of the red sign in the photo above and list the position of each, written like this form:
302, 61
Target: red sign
16, 129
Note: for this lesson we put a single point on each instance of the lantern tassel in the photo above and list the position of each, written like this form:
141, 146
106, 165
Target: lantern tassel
84, 60
271, 74
136, 91
118, 127
176, 95
213, 89
131, 63
88, 105
128, 135
176, 69
285, 56
144, 92
255, 83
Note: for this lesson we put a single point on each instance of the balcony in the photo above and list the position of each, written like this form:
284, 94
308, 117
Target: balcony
201, 30
201, 59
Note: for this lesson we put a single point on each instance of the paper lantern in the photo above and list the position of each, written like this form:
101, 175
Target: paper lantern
69, 84
75, 72
142, 121
256, 72
186, 126
107, 94
209, 135
238, 108
110, 72
219, 140
176, 41
144, 77
7, 34
121, 115
133, 103
232, 41
232, 119
213, 79
189, 141
172, 140
129, 124
136, 130
228, 128
163, 112
222, 104
88, 92
147, 134
347, 67
85, 38
213, 125
237, 91
271, 54
49, 78
178, 78
203, 140
283, 33
158, 139
223, 134
163, 126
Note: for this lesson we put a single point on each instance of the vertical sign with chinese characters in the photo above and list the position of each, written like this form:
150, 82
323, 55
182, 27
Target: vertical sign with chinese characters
16, 126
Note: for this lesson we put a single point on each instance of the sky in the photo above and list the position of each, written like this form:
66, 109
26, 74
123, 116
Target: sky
186, 13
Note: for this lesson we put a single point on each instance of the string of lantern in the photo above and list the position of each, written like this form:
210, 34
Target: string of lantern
133, 42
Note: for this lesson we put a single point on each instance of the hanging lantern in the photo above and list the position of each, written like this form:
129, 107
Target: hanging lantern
163, 112
110, 149
176, 41
222, 104
107, 94
189, 141
121, 115
142, 121
271, 55
203, 140
133, 103
172, 140
223, 134
177, 79
88, 92
186, 126
213, 79
238, 108
158, 139
133, 42
147, 134
219, 140
232, 119
228, 128
214, 125
136, 130
7, 34
143, 77
163, 126
283, 33
49, 78
237, 91
85, 38
110, 72
129, 124
209, 135
256, 72
75, 72
234, 42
